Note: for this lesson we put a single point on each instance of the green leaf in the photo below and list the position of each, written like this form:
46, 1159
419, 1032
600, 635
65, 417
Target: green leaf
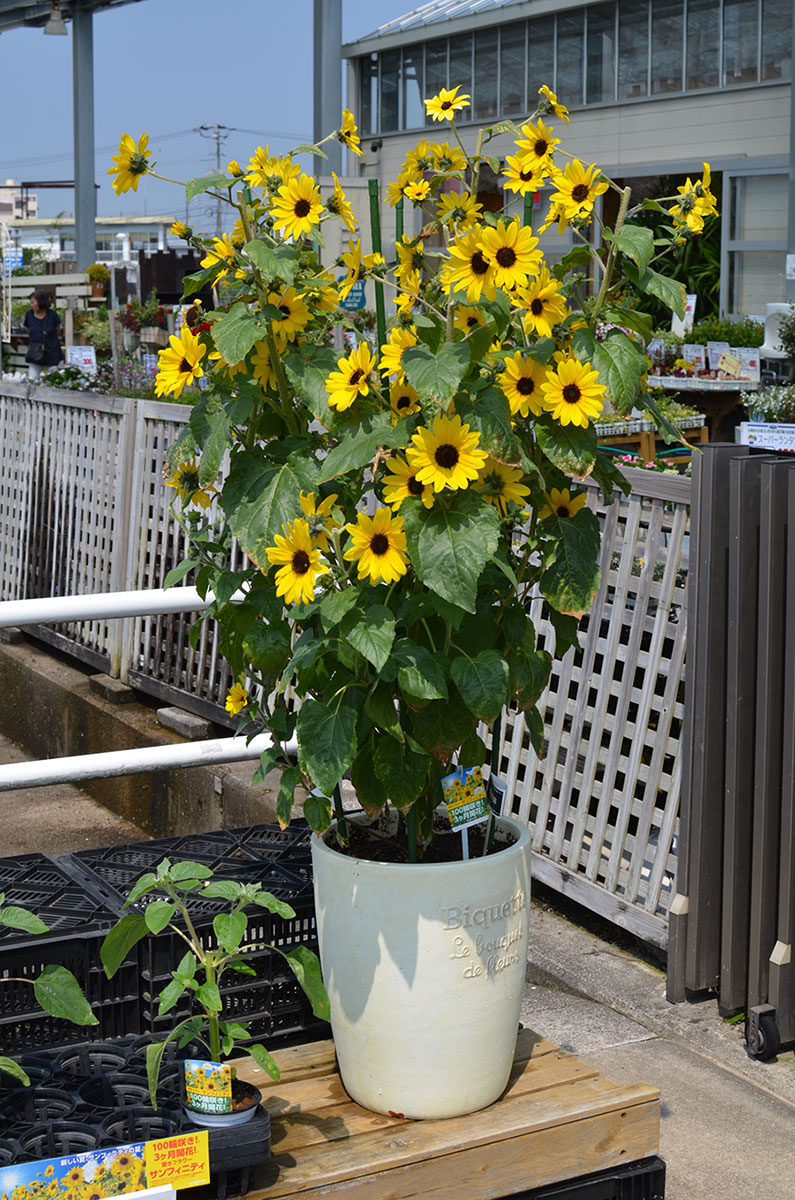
620, 364
570, 583
473, 752
199, 280
635, 241
436, 375
120, 940
370, 791
670, 291
189, 870
203, 183
309, 380
223, 889
263, 1059
327, 741
641, 322
529, 676
259, 497
154, 1056
579, 256
380, 708
571, 448
178, 573
608, 476
566, 630
360, 444
317, 810
267, 647
534, 725
403, 773
290, 780
230, 929
669, 430
59, 994
9, 1067
583, 344
482, 682
306, 967
273, 904
335, 605
236, 332
211, 430
20, 918
275, 262
418, 673
441, 727
209, 997
158, 914
490, 415
373, 636
145, 884
451, 543
169, 996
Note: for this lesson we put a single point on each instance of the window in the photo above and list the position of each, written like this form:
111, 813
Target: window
390, 71
703, 44
667, 34
484, 98
540, 57
777, 39
759, 208
633, 48
435, 70
513, 61
413, 107
600, 82
368, 93
570, 58
740, 40
756, 278
461, 66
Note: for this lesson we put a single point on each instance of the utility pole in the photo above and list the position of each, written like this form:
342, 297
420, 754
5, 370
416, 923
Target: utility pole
218, 133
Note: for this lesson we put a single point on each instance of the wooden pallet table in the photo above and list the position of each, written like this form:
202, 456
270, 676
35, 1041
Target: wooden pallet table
558, 1119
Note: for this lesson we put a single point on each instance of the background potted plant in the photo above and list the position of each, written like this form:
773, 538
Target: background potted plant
400, 505
199, 973
153, 321
99, 277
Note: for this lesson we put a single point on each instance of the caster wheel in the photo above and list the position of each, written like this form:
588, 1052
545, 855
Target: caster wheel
765, 1043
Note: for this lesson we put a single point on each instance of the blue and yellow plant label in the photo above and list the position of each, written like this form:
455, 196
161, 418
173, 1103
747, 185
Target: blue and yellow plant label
208, 1086
465, 797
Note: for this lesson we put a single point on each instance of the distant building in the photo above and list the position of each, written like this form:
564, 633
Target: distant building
118, 238
655, 88
16, 202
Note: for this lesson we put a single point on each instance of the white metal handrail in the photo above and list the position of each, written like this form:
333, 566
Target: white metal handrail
104, 606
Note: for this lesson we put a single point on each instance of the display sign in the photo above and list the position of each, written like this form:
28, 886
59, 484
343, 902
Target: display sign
680, 325
182, 1161
695, 355
465, 797
730, 364
84, 357
749, 362
714, 351
208, 1086
767, 436
355, 298
12, 258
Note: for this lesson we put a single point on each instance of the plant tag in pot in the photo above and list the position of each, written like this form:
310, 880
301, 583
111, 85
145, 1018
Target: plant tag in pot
465, 797
496, 791
208, 1086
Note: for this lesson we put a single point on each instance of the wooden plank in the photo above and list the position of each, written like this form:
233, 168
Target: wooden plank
416, 1144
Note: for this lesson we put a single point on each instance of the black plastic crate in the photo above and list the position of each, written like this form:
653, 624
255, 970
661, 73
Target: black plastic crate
644, 1180
48, 889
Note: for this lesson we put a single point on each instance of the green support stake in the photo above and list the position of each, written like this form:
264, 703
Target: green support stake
528, 209
375, 227
399, 220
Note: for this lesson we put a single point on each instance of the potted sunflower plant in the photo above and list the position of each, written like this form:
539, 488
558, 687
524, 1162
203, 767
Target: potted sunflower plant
399, 502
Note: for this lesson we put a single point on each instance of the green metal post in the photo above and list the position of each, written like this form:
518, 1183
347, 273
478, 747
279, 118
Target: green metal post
399, 220
375, 229
528, 208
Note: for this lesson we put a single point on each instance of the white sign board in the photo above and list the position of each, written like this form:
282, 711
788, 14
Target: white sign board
84, 357
766, 436
714, 351
680, 325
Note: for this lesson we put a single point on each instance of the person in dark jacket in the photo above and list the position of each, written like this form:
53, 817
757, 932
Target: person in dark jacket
44, 327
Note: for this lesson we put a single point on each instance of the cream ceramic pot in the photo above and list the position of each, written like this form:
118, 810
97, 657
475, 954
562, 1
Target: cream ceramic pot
425, 969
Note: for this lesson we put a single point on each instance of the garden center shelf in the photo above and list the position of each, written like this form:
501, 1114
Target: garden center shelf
559, 1129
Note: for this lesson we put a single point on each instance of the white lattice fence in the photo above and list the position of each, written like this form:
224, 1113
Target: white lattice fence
603, 802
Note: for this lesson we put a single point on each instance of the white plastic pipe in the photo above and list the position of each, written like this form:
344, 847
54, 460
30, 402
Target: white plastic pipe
99, 606
77, 767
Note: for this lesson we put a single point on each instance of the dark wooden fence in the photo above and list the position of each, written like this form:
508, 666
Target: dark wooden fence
731, 921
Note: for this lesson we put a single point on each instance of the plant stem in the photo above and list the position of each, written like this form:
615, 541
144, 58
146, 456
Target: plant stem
339, 812
611, 256
411, 833
375, 231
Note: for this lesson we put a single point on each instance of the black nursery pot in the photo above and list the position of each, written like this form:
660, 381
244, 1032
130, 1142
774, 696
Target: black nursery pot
37, 1067
117, 1089
142, 1124
57, 1139
34, 1105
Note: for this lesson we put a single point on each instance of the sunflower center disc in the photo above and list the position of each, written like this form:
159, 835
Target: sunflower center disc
445, 104
562, 511
302, 208
414, 486
525, 386
536, 308
300, 563
541, 147
472, 321
506, 257
355, 377
185, 366
379, 544
285, 308
478, 264
446, 455
571, 393
403, 402
580, 193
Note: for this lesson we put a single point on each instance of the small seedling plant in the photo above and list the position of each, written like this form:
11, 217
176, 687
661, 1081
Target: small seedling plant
206, 959
56, 988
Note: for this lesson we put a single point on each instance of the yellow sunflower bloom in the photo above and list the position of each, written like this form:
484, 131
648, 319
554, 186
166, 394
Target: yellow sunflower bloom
521, 384
297, 207
561, 504
417, 192
262, 366
446, 104
408, 296
448, 158
225, 368
236, 699
181, 230
578, 187
222, 252
458, 209
466, 318
298, 562
572, 393
392, 352
378, 546
352, 379
543, 304
179, 364
469, 268
296, 314
410, 256
420, 158
131, 163
500, 484
234, 169
351, 259
186, 480
269, 172
552, 105
318, 517
403, 400
402, 483
339, 206
394, 191
512, 251
538, 144
523, 175
447, 454
348, 134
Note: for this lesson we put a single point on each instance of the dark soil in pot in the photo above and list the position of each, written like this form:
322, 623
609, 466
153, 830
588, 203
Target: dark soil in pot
374, 842
245, 1100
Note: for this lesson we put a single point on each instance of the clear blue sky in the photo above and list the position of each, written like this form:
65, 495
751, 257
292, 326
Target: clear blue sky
167, 66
